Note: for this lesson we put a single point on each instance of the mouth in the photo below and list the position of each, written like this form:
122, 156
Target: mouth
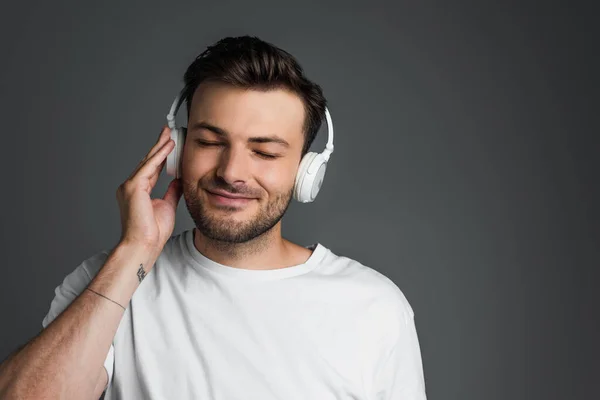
221, 198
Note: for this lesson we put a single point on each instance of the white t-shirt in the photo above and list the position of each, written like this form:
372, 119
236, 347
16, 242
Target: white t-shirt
328, 329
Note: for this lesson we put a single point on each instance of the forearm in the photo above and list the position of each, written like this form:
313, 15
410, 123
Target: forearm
67, 357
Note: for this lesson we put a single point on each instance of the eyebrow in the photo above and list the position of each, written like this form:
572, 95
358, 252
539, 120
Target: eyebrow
222, 132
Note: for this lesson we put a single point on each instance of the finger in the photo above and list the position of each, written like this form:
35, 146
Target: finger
154, 178
165, 134
173, 193
163, 137
151, 166
162, 131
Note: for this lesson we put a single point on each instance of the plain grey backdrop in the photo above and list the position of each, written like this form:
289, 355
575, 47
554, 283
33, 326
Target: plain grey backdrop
465, 164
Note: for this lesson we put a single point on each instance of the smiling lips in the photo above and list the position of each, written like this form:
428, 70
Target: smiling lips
220, 197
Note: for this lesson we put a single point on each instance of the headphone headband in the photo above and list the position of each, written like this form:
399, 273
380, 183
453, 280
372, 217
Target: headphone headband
326, 152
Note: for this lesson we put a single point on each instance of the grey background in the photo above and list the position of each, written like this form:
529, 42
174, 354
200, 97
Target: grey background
464, 165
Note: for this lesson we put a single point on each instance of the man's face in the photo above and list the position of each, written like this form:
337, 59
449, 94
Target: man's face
236, 145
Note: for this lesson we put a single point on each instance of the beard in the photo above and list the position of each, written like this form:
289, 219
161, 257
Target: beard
228, 230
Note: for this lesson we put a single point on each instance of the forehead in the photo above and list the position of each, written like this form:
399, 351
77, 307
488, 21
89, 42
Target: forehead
249, 112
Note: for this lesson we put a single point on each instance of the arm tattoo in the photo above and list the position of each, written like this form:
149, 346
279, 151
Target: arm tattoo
141, 273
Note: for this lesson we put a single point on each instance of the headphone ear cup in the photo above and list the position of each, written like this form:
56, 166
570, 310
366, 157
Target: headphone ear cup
174, 157
180, 143
309, 177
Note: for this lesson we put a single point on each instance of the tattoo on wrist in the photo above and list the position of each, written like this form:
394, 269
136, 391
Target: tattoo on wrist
141, 273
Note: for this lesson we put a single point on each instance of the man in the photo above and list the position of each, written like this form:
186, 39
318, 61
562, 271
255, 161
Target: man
229, 310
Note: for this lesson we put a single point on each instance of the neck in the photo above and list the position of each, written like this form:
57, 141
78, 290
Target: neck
267, 251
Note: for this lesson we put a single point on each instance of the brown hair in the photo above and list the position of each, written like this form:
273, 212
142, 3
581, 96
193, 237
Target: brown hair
249, 62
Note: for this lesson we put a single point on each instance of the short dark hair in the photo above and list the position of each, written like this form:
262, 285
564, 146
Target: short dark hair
251, 63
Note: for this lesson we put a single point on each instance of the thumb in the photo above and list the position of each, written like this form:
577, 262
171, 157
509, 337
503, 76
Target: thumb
173, 193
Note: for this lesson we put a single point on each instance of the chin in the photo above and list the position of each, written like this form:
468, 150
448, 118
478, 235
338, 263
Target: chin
228, 215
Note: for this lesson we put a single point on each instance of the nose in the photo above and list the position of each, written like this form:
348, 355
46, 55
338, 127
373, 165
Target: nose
233, 165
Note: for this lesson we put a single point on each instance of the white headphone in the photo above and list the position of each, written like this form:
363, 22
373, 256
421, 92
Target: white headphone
311, 170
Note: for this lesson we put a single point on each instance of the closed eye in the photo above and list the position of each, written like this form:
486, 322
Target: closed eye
265, 155
205, 143
259, 153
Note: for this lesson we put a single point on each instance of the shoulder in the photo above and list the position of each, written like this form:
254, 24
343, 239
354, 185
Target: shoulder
369, 282
377, 302
83, 273
74, 283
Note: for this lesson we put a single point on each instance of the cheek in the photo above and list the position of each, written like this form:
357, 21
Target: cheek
195, 165
278, 177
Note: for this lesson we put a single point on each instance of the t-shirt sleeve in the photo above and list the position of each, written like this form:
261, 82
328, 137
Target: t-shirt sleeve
71, 287
400, 373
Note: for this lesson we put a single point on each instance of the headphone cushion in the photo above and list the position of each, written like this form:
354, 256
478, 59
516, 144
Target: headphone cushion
309, 177
174, 157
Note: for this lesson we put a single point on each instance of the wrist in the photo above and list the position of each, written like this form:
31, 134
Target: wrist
144, 252
123, 271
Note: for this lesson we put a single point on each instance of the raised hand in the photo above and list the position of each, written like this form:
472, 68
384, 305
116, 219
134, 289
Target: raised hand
146, 221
